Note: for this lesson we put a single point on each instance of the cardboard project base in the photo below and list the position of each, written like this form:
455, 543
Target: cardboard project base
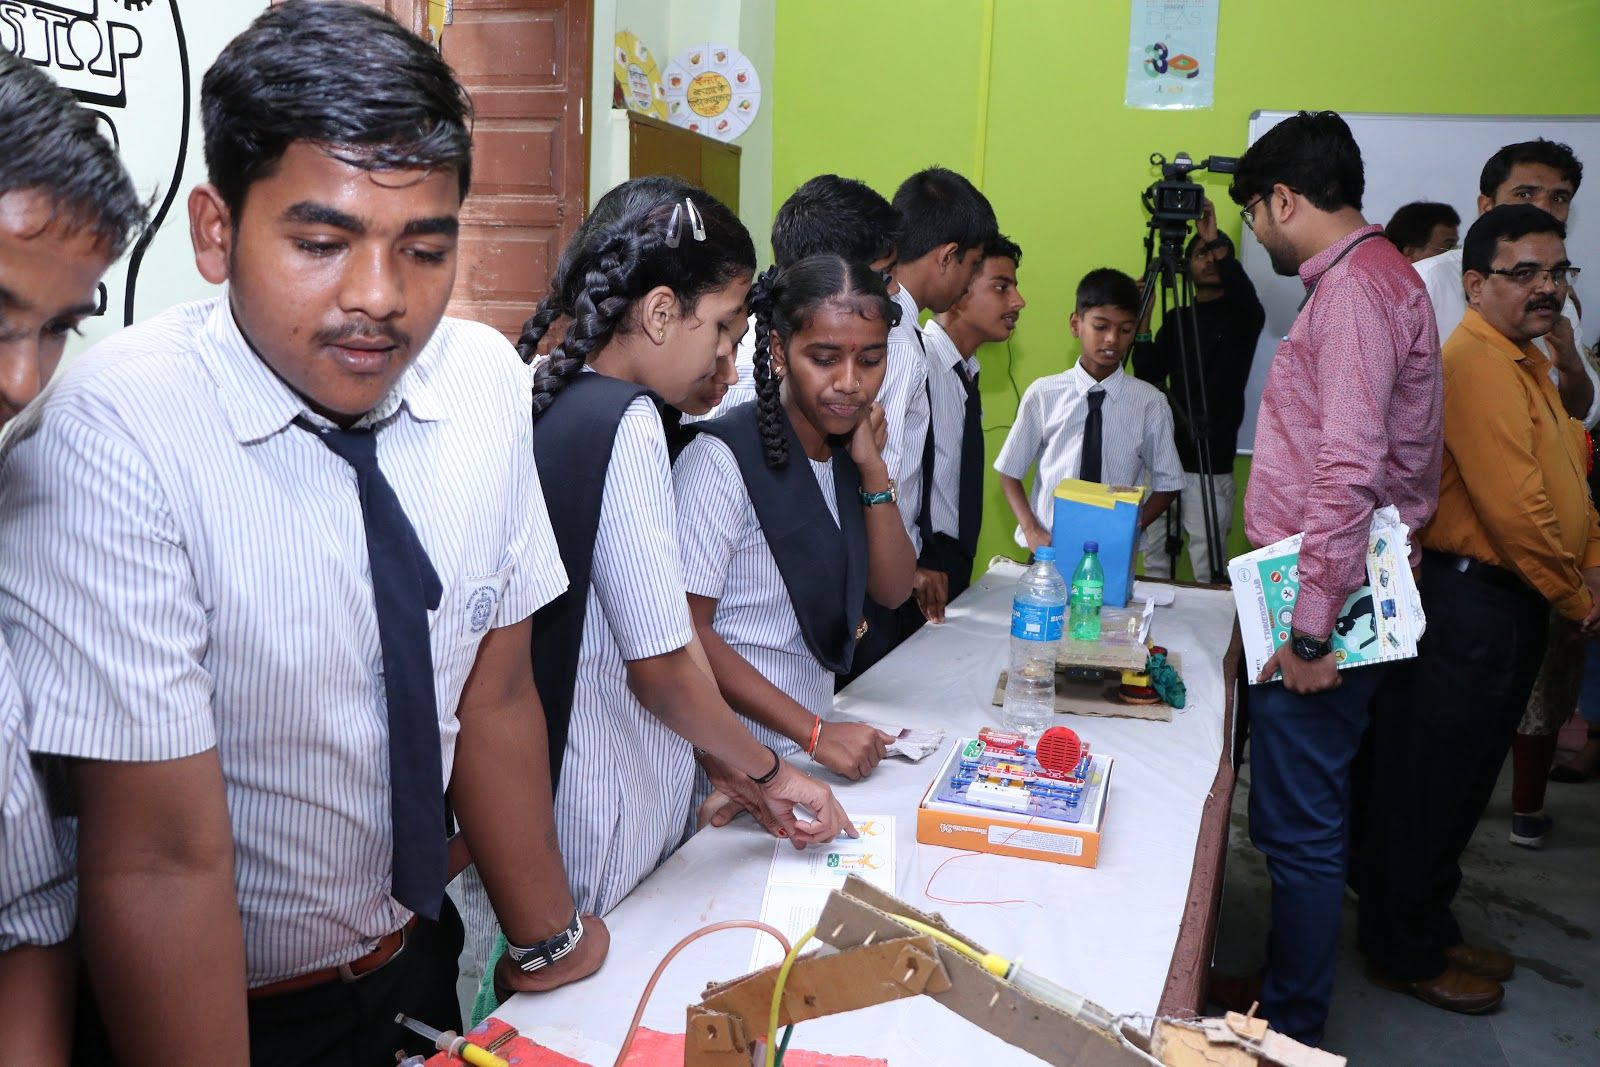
1074, 697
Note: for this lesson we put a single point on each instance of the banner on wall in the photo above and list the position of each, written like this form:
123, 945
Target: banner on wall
636, 72
1172, 53
712, 89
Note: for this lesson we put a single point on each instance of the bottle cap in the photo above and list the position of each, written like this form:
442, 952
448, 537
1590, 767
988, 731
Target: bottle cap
1091, 546
1044, 552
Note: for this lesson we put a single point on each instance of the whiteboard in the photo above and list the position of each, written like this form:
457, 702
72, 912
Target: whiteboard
1427, 157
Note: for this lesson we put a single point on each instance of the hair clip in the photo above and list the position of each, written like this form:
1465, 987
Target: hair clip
697, 225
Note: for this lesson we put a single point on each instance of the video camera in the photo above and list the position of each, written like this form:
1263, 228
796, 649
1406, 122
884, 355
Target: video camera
1176, 199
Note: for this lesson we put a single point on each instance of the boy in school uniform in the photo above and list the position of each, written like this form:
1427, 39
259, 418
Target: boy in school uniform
1094, 421
67, 211
826, 216
944, 224
250, 554
954, 512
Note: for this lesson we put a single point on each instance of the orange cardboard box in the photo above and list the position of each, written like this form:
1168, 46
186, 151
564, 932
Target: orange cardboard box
1018, 834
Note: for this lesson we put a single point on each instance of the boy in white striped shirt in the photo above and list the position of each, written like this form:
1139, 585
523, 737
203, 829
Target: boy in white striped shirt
67, 211
1094, 421
250, 553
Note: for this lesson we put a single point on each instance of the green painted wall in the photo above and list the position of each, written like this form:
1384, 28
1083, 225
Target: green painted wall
879, 89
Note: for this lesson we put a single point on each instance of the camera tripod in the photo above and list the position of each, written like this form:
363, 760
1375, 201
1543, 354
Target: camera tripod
1167, 268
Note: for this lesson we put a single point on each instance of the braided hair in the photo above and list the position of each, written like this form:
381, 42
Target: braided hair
783, 302
618, 255
769, 402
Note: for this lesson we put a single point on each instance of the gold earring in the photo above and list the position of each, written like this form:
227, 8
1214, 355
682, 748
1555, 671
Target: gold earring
661, 334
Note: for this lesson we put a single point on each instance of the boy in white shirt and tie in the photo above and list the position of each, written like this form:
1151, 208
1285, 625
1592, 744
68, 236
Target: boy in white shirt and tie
1093, 421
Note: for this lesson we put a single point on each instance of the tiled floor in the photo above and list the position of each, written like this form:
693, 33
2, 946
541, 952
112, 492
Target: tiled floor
1542, 906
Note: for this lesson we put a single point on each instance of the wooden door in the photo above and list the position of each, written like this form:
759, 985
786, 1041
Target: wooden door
526, 64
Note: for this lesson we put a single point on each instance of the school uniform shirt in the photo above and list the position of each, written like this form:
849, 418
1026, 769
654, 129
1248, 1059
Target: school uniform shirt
38, 892
948, 411
726, 558
904, 397
1441, 275
183, 568
626, 778
1136, 446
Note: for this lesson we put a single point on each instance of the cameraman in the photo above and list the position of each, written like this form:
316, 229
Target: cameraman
1229, 319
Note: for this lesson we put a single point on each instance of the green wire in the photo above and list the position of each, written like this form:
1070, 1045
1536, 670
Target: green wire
783, 1046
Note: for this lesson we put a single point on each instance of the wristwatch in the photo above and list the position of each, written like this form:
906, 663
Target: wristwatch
885, 497
1309, 648
538, 956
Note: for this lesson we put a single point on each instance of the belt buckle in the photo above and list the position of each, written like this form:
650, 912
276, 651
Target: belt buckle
347, 975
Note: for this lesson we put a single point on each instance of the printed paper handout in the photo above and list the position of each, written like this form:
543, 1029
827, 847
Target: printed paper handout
800, 880
1382, 621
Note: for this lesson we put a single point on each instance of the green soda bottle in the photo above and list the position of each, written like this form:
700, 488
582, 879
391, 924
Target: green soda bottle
1088, 591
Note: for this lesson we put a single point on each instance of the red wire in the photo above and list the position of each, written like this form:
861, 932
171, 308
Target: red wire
927, 889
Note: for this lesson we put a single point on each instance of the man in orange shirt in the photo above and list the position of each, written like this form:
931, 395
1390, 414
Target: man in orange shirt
1514, 537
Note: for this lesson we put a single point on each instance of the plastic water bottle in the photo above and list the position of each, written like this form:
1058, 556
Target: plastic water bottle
1037, 615
1088, 592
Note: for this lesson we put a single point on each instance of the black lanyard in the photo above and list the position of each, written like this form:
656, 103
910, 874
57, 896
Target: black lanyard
1347, 250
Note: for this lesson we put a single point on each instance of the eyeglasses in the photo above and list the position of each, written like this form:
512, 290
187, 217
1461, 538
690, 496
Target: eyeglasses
1528, 277
1248, 212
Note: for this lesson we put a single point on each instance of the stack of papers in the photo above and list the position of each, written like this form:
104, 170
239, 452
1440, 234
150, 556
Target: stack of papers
1382, 621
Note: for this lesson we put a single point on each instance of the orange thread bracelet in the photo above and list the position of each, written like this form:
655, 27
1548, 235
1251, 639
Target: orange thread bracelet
816, 736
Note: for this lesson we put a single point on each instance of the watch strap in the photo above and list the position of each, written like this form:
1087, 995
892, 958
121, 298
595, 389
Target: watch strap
1309, 648
541, 954
887, 496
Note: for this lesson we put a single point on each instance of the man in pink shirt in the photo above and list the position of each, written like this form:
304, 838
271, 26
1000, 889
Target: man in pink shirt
1351, 420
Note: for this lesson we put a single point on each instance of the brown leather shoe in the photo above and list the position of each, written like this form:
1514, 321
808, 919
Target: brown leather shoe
1488, 963
1454, 990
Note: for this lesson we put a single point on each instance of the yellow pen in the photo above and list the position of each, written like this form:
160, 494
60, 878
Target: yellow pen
453, 1043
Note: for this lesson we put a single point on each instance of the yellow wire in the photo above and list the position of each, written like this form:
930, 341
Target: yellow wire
777, 996
998, 966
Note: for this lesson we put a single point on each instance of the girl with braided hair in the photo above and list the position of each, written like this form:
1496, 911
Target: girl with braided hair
708, 391
655, 289
786, 516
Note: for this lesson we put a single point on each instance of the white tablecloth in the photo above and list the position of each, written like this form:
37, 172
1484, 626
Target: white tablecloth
1107, 932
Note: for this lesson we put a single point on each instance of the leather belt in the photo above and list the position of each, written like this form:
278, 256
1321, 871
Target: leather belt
1477, 570
388, 947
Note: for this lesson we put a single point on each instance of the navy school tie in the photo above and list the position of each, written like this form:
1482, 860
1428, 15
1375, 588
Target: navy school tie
970, 493
404, 588
1089, 464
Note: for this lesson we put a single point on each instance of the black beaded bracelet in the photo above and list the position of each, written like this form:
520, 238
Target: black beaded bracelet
777, 764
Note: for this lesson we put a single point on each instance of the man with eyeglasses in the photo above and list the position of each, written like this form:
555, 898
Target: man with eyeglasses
1514, 537
1546, 175
1350, 421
